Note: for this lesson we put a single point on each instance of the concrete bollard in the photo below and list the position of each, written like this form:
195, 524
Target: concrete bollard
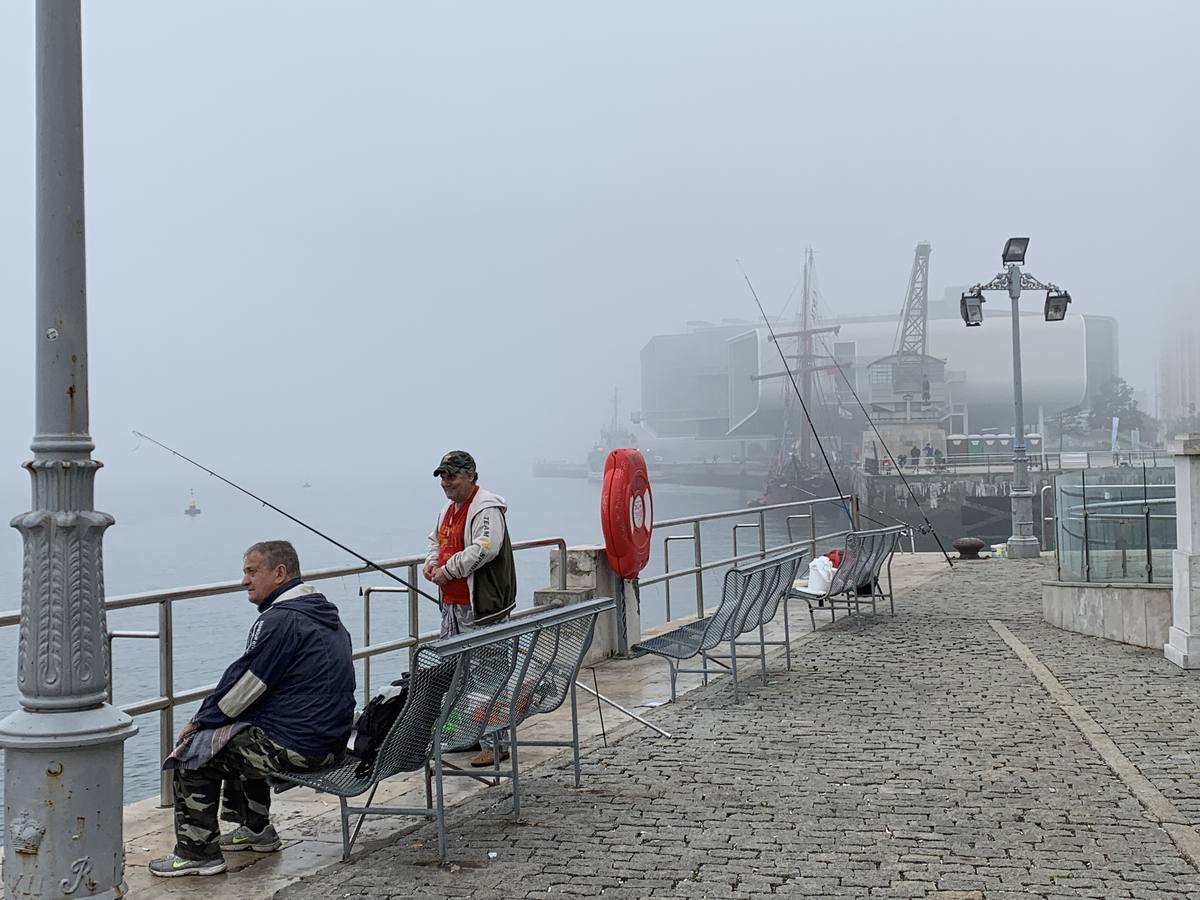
589, 575
1183, 646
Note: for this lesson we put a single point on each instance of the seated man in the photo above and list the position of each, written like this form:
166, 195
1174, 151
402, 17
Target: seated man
286, 703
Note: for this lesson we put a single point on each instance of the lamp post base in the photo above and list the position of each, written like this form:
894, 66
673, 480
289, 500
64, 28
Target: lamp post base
1023, 548
63, 802
1023, 544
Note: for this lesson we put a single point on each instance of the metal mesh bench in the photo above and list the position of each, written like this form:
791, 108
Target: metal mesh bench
750, 596
864, 556
476, 687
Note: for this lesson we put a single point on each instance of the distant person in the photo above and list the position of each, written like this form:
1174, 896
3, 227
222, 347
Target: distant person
915, 456
286, 703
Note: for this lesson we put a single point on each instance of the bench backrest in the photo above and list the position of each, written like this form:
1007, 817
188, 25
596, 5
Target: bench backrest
768, 603
863, 557
553, 658
432, 690
517, 668
746, 594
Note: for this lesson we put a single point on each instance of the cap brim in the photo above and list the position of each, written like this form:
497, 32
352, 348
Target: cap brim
440, 470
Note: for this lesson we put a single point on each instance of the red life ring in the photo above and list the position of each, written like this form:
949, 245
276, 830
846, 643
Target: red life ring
626, 512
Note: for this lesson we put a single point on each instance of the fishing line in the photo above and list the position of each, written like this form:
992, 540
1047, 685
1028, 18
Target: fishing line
288, 515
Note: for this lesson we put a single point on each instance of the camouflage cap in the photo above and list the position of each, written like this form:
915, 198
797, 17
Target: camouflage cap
455, 461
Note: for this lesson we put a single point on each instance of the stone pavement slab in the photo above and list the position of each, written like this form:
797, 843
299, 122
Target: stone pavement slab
915, 756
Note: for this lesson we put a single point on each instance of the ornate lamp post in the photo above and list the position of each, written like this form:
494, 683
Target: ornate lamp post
1023, 543
64, 748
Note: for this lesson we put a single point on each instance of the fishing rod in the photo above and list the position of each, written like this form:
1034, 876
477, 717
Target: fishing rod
803, 406
899, 470
267, 503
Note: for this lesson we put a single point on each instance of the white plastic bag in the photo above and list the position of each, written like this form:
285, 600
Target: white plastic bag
820, 575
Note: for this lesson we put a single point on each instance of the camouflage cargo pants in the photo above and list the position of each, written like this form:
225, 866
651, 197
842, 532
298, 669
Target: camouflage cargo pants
243, 765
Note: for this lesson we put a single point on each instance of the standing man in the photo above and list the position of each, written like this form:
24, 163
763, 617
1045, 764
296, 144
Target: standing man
286, 703
470, 556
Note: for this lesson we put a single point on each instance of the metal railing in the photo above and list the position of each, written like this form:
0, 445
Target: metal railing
1001, 461
699, 567
169, 698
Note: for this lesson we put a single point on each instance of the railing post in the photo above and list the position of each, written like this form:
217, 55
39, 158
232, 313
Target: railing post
854, 512
812, 531
1087, 550
697, 558
762, 535
166, 688
366, 595
1146, 507
414, 608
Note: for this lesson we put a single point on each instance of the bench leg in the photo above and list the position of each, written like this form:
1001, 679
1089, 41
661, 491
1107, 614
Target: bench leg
428, 786
671, 664
575, 732
440, 799
812, 616
787, 634
704, 666
346, 829
762, 651
347, 838
733, 667
516, 787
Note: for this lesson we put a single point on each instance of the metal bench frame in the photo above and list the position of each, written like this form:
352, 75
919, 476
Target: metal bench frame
749, 599
865, 555
501, 675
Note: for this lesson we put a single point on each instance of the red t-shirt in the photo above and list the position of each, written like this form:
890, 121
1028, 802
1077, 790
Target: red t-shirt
451, 540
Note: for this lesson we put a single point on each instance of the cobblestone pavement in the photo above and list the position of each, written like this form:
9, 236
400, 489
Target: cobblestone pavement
910, 757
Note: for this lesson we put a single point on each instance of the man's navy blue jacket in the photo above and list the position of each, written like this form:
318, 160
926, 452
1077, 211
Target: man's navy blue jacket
296, 679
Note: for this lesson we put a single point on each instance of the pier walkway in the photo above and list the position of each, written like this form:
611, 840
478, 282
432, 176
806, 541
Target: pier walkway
963, 749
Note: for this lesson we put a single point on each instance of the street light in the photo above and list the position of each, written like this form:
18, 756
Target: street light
1022, 543
1014, 251
971, 307
1056, 305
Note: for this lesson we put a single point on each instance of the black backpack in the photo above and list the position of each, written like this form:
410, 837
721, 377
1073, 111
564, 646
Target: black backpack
374, 722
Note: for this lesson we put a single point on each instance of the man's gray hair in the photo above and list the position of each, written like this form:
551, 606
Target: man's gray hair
278, 553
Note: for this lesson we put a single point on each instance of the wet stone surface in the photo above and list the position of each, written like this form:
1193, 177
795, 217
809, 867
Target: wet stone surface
906, 757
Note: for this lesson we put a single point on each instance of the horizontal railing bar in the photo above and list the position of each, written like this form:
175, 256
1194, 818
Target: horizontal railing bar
755, 554
150, 598
709, 517
133, 634
387, 646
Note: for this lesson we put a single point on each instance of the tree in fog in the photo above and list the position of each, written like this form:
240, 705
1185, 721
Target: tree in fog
1115, 400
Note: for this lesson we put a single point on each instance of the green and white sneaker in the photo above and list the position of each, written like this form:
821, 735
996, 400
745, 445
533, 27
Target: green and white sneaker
172, 866
243, 838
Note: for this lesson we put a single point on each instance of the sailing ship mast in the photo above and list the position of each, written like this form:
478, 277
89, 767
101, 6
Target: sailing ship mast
806, 358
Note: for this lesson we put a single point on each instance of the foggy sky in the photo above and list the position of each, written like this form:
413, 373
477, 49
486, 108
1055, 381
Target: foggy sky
366, 232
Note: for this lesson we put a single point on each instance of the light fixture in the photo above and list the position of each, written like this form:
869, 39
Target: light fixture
1014, 251
971, 307
1056, 305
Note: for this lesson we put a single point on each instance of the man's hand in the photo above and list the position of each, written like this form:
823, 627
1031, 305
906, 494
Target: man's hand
427, 570
187, 731
439, 577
